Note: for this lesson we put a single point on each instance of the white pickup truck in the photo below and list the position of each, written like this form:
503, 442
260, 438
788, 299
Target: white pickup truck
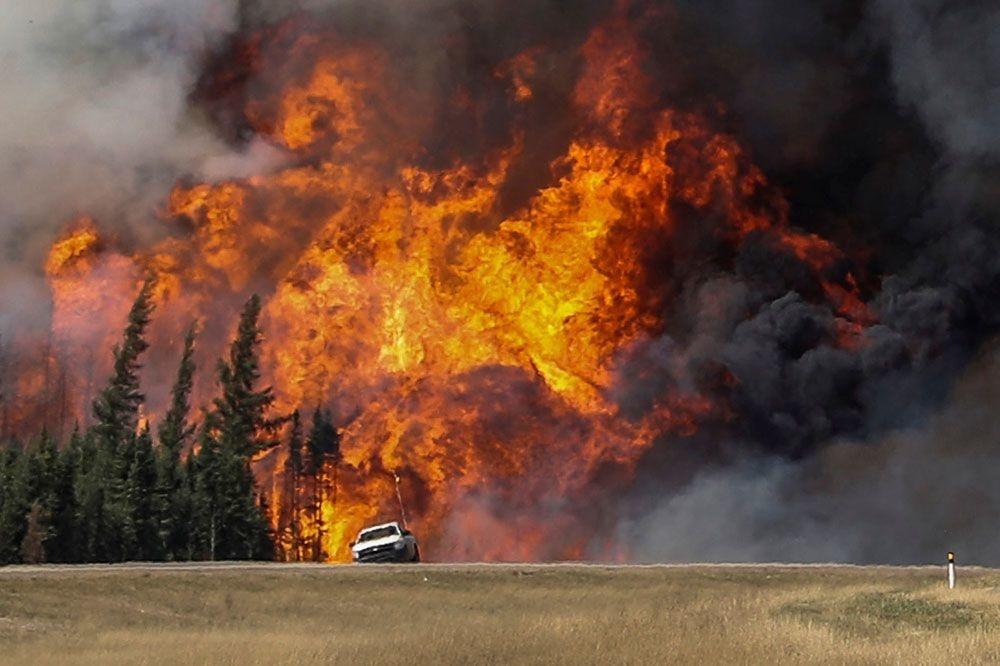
387, 542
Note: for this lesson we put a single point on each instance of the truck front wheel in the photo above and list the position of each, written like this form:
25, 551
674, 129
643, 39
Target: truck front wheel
416, 554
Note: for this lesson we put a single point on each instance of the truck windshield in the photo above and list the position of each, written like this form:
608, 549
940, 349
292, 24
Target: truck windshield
380, 533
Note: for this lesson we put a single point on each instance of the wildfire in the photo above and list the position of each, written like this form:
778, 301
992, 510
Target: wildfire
470, 350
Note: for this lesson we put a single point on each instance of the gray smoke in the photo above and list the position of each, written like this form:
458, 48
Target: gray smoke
877, 119
95, 119
906, 497
839, 455
946, 65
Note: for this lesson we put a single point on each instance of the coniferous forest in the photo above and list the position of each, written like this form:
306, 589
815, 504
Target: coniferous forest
121, 490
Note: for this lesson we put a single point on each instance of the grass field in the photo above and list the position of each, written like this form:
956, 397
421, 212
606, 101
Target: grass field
568, 614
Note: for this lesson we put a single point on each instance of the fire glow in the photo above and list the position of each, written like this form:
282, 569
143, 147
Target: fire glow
470, 348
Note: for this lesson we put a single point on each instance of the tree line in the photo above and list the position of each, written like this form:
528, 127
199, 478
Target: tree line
119, 491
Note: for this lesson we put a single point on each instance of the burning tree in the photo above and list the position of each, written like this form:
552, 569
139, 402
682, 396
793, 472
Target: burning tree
471, 345
517, 268
289, 520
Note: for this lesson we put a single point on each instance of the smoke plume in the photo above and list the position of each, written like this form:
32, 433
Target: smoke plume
677, 279
95, 119
904, 497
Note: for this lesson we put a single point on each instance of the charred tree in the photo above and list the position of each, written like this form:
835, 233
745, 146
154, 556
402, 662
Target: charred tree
292, 520
323, 448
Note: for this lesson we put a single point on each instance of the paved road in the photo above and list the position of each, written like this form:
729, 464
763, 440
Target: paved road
278, 567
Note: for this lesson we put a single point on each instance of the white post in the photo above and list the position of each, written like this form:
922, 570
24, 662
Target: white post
399, 496
951, 571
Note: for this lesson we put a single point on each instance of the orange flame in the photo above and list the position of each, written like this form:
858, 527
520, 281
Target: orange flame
470, 351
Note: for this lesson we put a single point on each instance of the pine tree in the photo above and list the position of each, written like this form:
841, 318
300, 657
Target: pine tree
264, 548
14, 504
142, 527
116, 411
187, 515
26, 487
242, 409
4, 393
172, 498
231, 522
324, 450
57, 498
205, 470
68, 542
292, 475
95, 535
175, 431
8, 462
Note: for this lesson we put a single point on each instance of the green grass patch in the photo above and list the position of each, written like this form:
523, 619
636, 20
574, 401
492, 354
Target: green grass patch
874, 614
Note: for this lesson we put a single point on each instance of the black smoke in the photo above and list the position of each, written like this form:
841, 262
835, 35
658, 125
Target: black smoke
878, 121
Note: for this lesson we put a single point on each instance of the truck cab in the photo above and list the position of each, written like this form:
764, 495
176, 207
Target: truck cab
388, 542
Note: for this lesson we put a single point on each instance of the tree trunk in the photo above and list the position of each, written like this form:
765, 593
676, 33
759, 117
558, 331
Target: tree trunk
295, 549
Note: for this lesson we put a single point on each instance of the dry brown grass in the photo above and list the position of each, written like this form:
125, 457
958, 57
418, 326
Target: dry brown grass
507, 614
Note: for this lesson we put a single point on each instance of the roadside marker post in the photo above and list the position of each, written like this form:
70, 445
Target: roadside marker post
399, 496
951, 570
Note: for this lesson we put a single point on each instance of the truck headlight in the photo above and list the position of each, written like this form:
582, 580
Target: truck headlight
399, 545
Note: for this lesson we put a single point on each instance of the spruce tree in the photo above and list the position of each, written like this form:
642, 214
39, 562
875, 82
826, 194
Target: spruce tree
14, 506
172, 499
95, 535
27, 487
5, 398
175, 431
292, 475
8, 463
116, 410
205, 473
324, 450
187, 515
231, 520
244, 425
58, 504
141, 524
68, 526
